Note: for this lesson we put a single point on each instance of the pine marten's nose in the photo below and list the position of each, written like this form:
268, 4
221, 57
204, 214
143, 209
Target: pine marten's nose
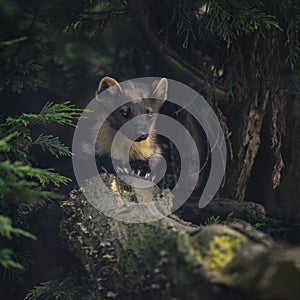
142, 137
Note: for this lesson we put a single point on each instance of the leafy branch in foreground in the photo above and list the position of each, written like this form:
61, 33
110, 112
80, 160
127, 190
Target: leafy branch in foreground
22, 185
53, 145
61, 113
44, 176
6, 231
19, 130
65, 289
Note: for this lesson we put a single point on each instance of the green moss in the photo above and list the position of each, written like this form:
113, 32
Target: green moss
191, 254
221, 250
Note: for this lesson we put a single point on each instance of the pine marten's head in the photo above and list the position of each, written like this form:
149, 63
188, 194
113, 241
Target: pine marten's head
144, 108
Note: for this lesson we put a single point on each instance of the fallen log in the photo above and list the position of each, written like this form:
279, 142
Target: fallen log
173, 259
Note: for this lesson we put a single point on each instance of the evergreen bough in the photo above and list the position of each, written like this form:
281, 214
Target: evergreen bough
22, 185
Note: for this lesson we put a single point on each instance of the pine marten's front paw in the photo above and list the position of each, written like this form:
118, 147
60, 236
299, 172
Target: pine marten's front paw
140, 168
135, 171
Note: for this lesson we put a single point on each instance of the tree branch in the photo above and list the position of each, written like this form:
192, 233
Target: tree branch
177, 65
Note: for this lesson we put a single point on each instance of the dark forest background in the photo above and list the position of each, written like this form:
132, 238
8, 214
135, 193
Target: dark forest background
242, 56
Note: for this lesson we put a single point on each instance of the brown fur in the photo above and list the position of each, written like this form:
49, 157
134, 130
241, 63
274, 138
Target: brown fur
144, 149
139, 150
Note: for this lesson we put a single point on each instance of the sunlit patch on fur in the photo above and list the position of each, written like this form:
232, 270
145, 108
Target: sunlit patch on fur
139, 150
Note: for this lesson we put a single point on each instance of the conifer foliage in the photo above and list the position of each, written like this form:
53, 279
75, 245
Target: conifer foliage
22, 185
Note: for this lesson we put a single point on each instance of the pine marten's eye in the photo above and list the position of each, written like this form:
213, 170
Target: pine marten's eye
124, 113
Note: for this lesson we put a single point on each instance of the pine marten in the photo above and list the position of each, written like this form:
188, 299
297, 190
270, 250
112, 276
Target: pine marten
145, 146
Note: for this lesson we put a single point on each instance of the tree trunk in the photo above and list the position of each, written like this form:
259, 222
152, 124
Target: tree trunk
283, 200
252, 80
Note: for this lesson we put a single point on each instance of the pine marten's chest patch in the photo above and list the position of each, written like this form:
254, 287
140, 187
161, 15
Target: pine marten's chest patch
142, 150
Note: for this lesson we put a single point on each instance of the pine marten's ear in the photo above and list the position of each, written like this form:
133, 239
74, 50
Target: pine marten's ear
161, 90
107, 82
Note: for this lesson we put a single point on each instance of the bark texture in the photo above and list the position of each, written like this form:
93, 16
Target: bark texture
255, 81
172, 259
